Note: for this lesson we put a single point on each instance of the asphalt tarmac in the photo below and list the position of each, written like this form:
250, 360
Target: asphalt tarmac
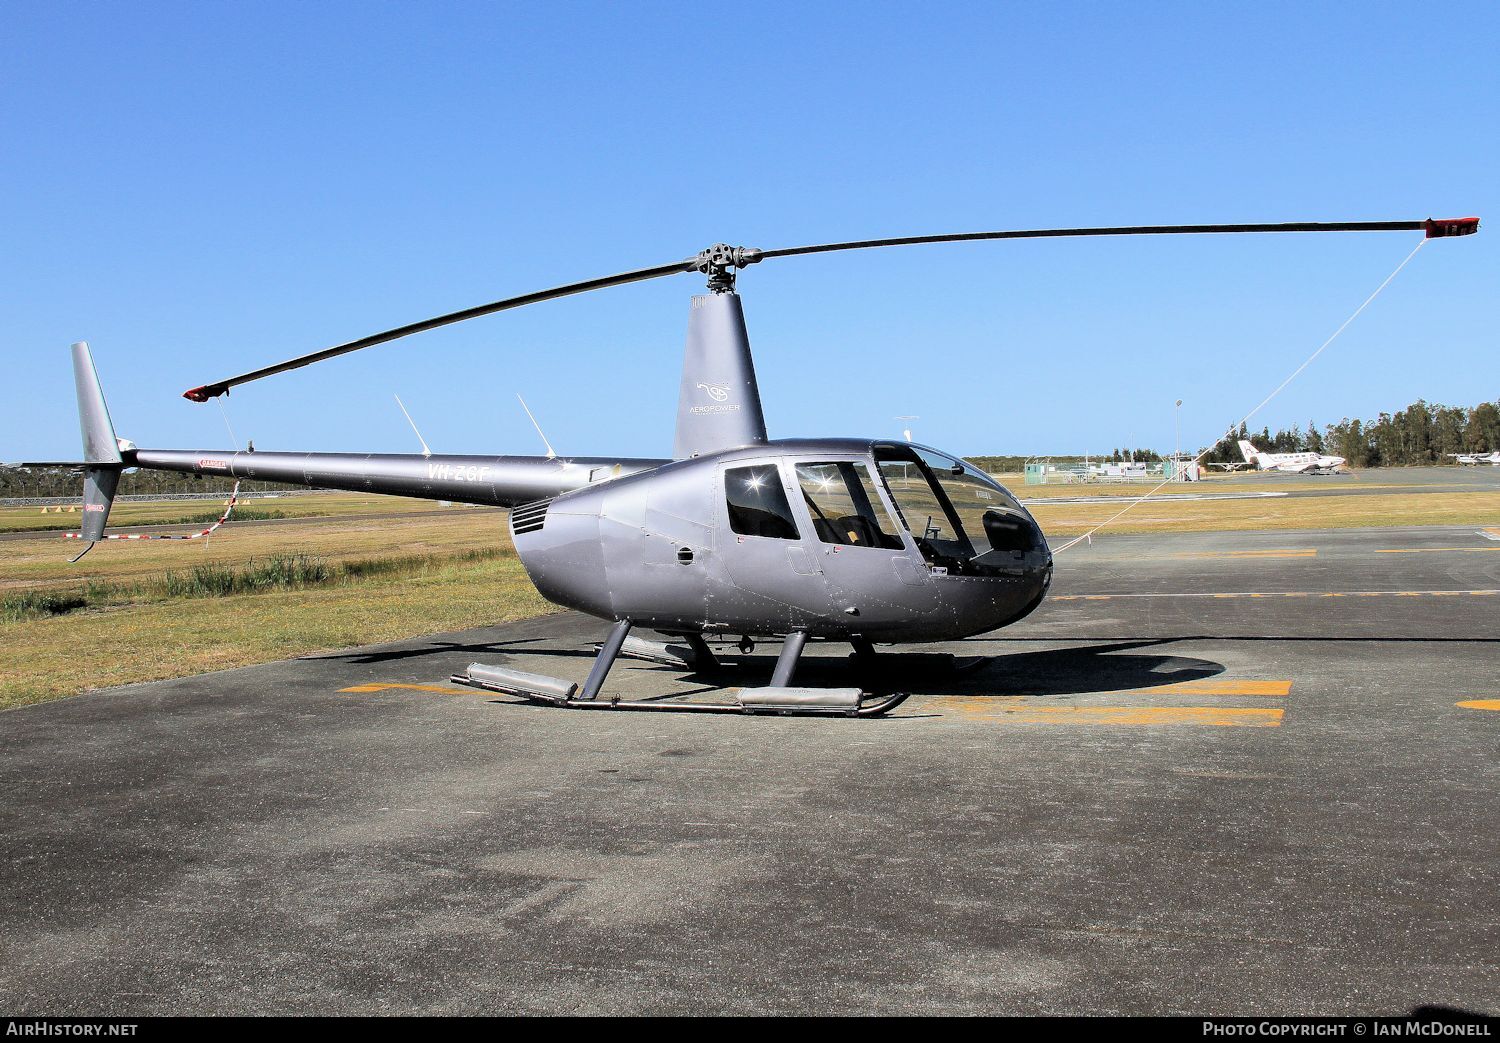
1213, 774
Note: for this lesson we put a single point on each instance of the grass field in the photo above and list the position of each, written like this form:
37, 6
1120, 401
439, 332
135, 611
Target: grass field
64, 655
1311, 512
175, 512
1217, 484
145, 615
140, 611
43, 562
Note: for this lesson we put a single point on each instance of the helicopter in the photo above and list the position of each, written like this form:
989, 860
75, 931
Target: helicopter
856, 540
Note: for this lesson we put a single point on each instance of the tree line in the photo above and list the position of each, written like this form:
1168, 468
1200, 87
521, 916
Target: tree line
1422, 433
68, 481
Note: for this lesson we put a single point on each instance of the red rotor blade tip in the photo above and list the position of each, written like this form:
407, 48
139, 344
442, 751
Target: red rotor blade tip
198, 394
1439, 228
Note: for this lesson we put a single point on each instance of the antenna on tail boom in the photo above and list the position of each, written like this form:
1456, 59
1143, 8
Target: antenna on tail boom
551, 453
413, 423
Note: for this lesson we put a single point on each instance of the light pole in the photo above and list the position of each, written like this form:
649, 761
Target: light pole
1177, 453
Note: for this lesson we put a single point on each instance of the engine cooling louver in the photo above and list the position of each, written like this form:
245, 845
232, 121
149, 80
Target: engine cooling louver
529, 517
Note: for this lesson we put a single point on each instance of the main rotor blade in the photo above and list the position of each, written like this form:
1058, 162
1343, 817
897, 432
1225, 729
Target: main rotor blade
208, 391
1434, 229
719, 261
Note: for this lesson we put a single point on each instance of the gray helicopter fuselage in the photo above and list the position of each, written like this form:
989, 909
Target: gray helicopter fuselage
671, 549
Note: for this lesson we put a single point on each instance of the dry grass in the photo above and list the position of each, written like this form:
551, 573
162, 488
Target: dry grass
47, 658
1290, 512
1217, 485
366, 580
185, 512
43, 562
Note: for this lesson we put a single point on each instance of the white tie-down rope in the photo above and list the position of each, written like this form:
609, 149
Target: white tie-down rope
1234, 428
234, 498
225, 414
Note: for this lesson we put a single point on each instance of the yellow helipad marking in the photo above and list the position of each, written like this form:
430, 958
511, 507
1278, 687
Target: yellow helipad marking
1287, 552
1480, 704
408, 687
1435, 550
1201, 716
1221, 687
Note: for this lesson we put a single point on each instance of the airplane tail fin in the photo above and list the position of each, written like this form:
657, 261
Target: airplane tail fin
1248, 451
101, 449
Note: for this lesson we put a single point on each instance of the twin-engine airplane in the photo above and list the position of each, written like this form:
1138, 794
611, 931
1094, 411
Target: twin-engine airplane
1292, 463
861, 540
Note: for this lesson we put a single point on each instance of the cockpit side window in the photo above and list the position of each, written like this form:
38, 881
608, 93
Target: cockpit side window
757, 502
845, 507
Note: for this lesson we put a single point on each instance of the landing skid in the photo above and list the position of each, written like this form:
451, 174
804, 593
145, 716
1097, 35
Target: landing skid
779, 698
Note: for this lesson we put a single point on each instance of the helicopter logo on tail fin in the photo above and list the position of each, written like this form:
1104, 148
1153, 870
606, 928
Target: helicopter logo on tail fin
717, 392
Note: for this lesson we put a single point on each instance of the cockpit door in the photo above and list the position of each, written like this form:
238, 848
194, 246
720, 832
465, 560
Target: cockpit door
855, 538
765, 556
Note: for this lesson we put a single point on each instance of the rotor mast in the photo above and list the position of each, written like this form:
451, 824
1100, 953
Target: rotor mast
719, 262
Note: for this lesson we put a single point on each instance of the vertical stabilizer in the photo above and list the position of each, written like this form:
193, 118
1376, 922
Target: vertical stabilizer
101, 450
1248, 451
718, 406
99, 444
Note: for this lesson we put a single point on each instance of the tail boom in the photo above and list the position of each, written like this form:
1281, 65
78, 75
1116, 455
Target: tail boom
493, 481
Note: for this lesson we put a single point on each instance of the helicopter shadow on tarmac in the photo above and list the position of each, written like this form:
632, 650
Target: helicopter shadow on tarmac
1105, 667
385, 655
1108, 666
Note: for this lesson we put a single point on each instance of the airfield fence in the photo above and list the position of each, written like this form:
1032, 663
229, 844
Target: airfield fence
61, 501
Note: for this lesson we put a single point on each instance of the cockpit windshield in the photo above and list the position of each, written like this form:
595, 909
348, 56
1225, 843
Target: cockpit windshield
943, 501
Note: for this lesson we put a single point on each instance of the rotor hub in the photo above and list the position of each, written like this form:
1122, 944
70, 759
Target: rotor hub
719, 261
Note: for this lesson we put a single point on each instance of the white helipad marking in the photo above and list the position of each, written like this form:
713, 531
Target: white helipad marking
1489, 534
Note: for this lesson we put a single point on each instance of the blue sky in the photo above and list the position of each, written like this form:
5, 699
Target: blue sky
199, 189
